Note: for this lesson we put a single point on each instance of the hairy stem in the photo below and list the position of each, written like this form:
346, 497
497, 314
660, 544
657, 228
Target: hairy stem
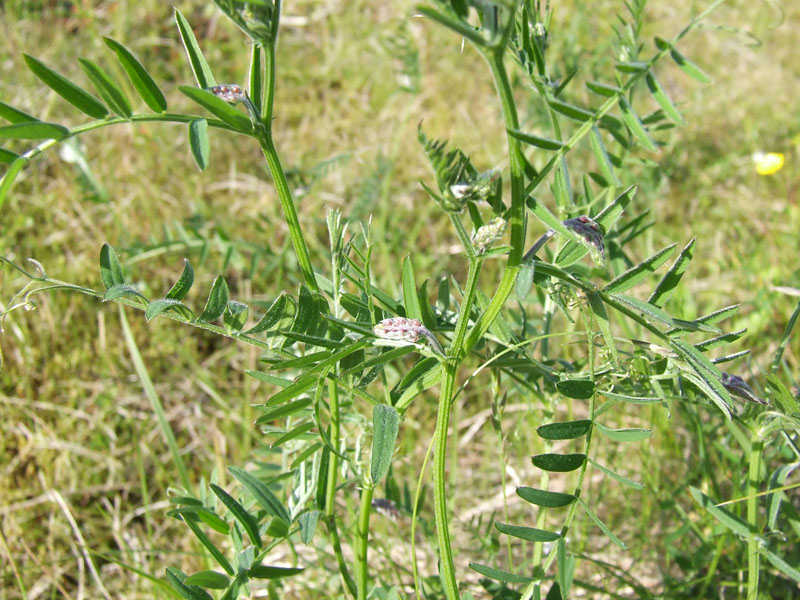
456, 355
330, 489
756, 447
289, 212
362, 540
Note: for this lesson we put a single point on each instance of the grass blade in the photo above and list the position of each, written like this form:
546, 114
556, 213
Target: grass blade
72, 93
155, 401
140, 78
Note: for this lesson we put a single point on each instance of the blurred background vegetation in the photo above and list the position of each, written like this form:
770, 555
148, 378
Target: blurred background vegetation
83, 467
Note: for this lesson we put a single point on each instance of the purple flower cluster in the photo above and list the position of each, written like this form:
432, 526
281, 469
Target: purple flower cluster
590, 231
400, 329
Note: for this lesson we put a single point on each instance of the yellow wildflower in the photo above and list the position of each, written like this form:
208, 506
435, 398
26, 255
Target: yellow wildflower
768, 163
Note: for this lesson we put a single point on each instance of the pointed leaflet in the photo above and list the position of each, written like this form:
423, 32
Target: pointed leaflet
624, 435
121, 290
499, 574
200, 68
268, 572
257, 78
558, 463
535, 140
410, 299
34, 130
723, 515
224, 111
181, 287
209, 579
687, 66
108, 89
263, 495
527, 533
198, 142
386, 421
7, 156
579, 389
601, 155
569, 110
568, 430
209, 545
15, 115
616, 476
661, 97
703, 373
282, 307
217, 301
602, 525
7, 181
545, 498
139, 77
235, 315
603, 89
628, 279
189, 592
110, 269
156, 307
635, 124
669, 282
75, 95
285, 410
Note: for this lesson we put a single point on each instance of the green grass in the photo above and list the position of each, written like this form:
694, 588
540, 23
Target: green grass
76, 421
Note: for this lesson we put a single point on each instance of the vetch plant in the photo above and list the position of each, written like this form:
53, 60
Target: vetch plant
336, 405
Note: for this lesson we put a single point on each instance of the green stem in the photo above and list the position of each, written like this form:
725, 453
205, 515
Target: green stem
362, 541
756, 446
330, 489
517, 213
446, 565
289, 212
456, 355
414, 520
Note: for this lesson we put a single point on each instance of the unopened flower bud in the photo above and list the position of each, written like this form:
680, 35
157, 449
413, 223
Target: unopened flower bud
487, 235
591, 234
400, 329
229, 92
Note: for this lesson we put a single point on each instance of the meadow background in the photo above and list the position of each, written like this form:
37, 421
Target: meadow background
83, 466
